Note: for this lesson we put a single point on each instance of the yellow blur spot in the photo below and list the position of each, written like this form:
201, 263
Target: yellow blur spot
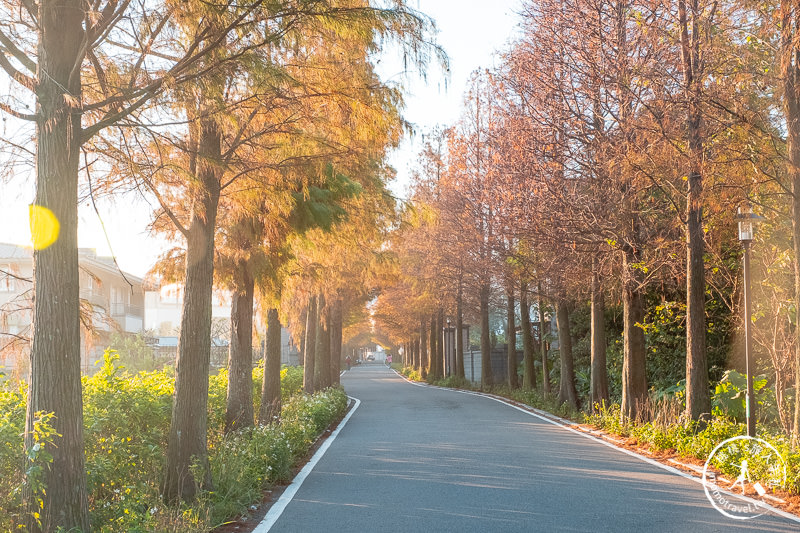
44, 227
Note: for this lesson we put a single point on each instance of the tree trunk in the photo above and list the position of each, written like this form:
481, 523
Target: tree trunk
790, 74
566, 389
459, 334
322, 378
188, 429
795, 155
423, 347
487, 379
55, 378
271, 386
239, 409
325, 361
634, 377
543, 344
311, 346
440, 343
301, 355
434, 353
529, 375
599, 374
336, 341
698, 400
511, 337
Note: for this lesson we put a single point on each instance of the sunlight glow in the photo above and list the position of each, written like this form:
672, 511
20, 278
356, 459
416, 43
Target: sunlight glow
44, 227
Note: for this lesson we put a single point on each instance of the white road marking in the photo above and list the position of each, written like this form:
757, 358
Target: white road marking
277, 509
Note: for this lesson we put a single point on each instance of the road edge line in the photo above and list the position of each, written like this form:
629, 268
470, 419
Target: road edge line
278, 507
534, 412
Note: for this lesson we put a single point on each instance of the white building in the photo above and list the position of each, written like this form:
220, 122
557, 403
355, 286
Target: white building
163, 308
116, 299
120, 302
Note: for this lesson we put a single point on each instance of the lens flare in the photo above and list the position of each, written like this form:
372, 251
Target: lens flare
44, 227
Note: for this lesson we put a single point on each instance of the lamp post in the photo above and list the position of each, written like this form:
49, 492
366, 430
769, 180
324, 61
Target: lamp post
747, 221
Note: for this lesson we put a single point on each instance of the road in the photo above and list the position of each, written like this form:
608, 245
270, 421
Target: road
415, 458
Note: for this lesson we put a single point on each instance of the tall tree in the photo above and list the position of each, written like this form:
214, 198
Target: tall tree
790, 76
566, 388
698, 399
310, 358
434, 371
543, 343
322, 366
271, 386
337, 325
511, 335
55, 383
64, 54
599, 373
529, 371
239, 405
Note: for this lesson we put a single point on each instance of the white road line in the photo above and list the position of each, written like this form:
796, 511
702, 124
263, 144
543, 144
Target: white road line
532, 412
278, 507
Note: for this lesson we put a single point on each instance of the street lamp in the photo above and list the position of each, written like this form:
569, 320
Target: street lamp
747, 221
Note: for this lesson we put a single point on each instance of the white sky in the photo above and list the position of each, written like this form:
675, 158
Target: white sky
470, 32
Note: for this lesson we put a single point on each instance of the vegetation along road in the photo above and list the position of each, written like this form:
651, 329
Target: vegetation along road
425, 459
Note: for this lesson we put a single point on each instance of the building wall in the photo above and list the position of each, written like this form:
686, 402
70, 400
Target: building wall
163, 307
116, 298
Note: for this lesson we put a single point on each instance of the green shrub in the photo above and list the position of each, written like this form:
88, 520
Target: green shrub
730, 394
303, 417
12, 424
291, 381
127, 419
411, 374
245, 464
455, 382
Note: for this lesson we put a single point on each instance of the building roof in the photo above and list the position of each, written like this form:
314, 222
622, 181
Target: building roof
167, 341
12, 251
86, 256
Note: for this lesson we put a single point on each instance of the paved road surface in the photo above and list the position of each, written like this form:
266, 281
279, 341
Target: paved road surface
421, 459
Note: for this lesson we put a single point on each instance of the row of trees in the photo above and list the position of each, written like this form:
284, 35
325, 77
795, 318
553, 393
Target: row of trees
259, 131
603, 160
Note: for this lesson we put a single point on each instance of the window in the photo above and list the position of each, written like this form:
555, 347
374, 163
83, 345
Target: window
7, 279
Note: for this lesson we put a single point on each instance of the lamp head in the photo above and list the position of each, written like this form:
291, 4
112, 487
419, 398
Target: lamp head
747, 222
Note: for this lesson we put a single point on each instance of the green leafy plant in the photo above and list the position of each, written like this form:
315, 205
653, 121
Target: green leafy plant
730, 395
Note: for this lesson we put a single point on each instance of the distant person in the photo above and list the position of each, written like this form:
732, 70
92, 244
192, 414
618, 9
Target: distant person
389, 359
347, 362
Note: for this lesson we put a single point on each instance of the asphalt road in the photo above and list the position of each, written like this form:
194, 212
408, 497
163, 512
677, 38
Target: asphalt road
414, 458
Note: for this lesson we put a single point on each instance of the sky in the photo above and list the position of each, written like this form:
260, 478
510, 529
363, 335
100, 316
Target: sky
470, 31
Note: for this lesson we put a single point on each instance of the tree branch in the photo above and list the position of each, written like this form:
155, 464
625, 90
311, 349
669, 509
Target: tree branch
23, 79
27, 62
